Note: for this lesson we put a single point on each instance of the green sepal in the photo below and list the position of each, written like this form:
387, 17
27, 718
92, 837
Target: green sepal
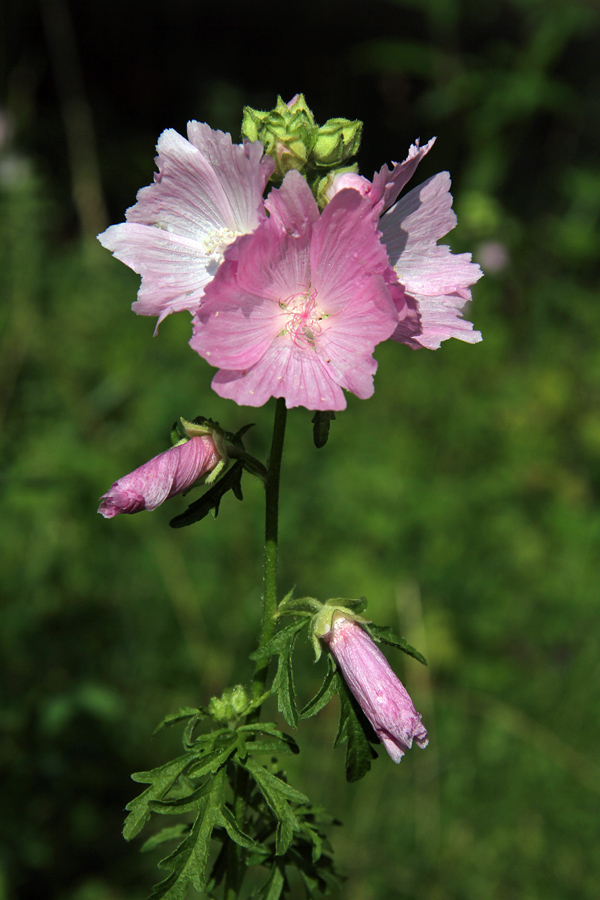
355, 729
328, 689
383, 634
277, 794
210, 501
299, 606
282, 645
321, 422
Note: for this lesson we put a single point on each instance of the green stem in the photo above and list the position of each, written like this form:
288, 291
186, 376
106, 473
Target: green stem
235, 868
270, 570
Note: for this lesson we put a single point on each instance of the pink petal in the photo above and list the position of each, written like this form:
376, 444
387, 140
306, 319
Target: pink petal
387, 185
283, 371
163, 476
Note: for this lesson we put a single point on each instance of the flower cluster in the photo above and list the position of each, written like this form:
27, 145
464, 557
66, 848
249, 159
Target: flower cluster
290, 296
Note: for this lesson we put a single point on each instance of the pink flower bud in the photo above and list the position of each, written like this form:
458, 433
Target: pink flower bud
380, 693
161, 477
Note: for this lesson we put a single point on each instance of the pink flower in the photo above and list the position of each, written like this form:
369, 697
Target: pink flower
379, 692
300, 309
433, 284
207, 192
162, 477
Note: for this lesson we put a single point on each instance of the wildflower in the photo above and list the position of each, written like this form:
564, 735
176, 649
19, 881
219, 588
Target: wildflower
206, 193
167, 474
379, 692
431, 285
299, 311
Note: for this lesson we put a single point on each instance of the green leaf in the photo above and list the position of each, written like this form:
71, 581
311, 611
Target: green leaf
161, 780
273, 887
329, 687
188, 861
277, 794
174, 832
321, 422
282, 645
268, 739
355, 729
383, 634
183, 713
210, 501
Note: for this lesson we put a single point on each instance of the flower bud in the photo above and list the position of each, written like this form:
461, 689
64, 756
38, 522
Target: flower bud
288, 132
165, 475
338, 140
379, 692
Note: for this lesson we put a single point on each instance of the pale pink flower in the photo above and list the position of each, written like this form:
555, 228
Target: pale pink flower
434, 283
206, 193
299, 311
167, 474
379, 692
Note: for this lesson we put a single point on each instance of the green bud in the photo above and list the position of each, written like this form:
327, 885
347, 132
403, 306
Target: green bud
338, 140
230, 705
290, 135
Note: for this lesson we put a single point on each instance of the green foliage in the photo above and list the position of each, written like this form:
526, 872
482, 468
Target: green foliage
462, 498
218, 770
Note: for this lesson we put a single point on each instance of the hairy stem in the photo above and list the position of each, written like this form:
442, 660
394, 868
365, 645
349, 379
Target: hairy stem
270, 569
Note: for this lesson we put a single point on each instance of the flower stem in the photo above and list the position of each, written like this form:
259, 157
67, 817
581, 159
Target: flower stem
270, 570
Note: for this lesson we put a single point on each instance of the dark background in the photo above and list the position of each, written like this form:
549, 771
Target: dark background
462, 499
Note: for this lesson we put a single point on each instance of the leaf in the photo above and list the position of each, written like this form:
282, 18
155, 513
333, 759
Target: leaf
188, 861
209, 501
268, 739
273, 887
321, 422
161, 780
383, 634
329, 687
174, 832
277, 795
183, 713
355, 729
282, 645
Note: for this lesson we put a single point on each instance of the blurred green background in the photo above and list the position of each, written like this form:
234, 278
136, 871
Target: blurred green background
462, 499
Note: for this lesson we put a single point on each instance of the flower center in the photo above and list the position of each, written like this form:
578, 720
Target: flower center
216, 242
304, 318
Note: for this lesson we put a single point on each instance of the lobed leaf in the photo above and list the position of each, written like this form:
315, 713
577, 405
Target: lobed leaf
354, 729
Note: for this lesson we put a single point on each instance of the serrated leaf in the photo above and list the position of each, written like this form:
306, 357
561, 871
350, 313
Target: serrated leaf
235, 832
210, 501
161, 780
268, 739
321, 422
173, 833
273, 887
383, 634
282, 645
329, 687
277, 795
188, 861
354, 729
185, 712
